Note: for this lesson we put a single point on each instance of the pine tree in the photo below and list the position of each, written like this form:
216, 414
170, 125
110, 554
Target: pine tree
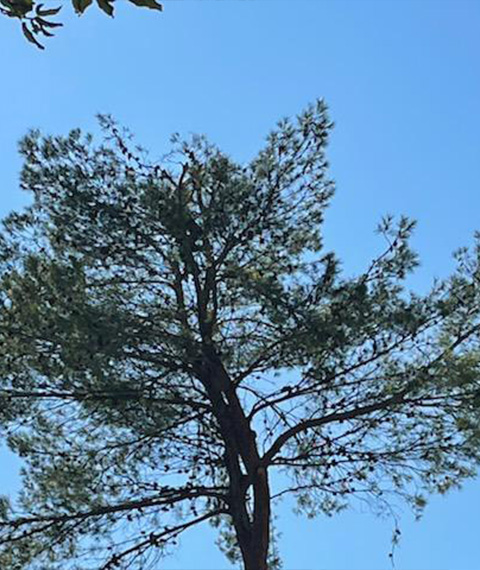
173, 336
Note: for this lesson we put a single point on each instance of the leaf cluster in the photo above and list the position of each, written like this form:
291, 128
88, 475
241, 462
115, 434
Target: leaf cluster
35, 17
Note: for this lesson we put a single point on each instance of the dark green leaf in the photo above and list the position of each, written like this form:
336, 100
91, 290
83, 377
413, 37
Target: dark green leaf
152, 4
46, 33
49, 12
106, 6
81, 5
47, 24
19, 7
30, 37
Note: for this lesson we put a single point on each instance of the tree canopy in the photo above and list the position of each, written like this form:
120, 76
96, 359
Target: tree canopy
178, 347
36, 18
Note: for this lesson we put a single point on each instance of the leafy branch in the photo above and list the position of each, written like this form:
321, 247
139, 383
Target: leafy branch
35, 18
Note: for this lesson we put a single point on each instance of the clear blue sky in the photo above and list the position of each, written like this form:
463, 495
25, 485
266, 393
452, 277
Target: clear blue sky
402, 80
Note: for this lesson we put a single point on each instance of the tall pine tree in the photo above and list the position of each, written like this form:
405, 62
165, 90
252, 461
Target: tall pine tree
173, 336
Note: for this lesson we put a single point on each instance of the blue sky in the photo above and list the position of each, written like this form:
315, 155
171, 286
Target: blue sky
402, 82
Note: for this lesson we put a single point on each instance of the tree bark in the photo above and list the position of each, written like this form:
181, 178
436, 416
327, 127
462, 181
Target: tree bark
260, 535
252, 529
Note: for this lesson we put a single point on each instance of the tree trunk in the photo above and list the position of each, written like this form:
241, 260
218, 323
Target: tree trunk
261, 522
254, 542
252, 531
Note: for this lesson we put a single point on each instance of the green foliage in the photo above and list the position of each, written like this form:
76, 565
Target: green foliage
35, 19
146, 313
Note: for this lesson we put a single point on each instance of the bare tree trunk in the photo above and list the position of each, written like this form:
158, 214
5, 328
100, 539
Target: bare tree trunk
252, 530
261, 522
254, 543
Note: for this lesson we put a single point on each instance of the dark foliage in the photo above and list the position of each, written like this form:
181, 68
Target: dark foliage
173, 336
